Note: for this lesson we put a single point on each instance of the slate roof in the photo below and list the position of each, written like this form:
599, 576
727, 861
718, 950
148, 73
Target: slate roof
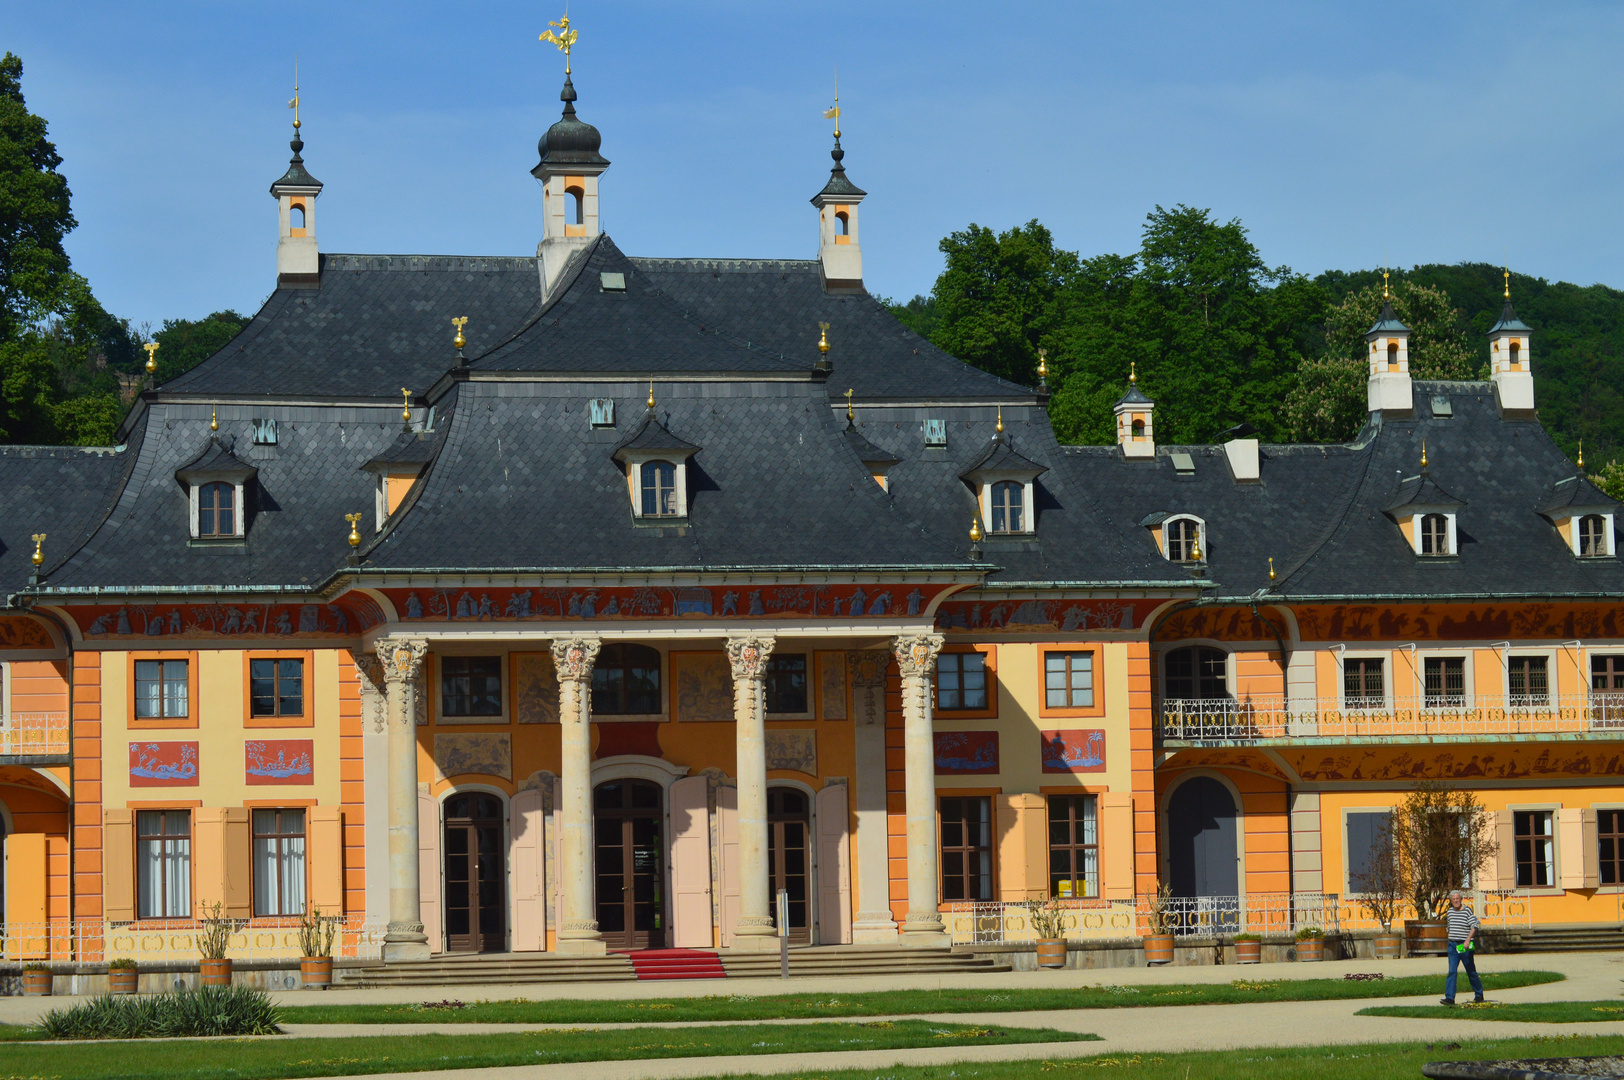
776, 304
1421, 491
217, 457
525, 483
413, 447
297, 175
1000, 456
1575, 493
653, 435
1508, 320
378, 323
867, 452
839, 185
61, 491
1387, 322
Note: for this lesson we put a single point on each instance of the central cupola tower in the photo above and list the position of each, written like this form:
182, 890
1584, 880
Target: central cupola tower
840, 260
568, 171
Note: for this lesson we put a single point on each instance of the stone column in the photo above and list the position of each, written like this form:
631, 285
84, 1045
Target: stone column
916, 658
578, 930
873, 924
754, 931
402, 659
375, 772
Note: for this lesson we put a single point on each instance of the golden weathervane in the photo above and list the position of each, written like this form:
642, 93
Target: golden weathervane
39, 556
355, 530
833, 112
564, 38
406, 405
294, 104
152, 360
459, 323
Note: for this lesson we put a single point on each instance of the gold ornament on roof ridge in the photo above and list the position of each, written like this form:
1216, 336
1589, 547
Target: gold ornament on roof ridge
823, 337
405, 405
1043, 363
214, 420
1507, 269
975, 530
849, 417
651, 395
1133, 373
1195, 547
355, 531
152, 360
459, 322
565, 38
1385, 294
1000, 427
38, 557
1581, 453
1271, 567
1423, 453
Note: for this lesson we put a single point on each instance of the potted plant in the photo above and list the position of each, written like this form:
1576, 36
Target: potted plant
212, 940
1310, 944
1441, 837
1048, 919
316, 948
1248, 949
121, 976
1381, 891
1159, 915
37, 979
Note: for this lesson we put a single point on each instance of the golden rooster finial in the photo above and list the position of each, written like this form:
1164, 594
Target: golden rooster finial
152, 360
459, 322
355, 530
38, 556
564, 38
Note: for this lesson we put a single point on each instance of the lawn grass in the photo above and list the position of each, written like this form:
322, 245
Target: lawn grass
1533, 1012
892, 1002
265, 1058
1380, 1061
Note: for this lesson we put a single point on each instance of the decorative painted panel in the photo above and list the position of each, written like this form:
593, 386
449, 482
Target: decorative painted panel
279, 761
832, 685
535, 688
465, 753
347, 616
163, 764
703, 687
648, 602
966, 753
1067, 615
1074, 751
23, 634
793, 748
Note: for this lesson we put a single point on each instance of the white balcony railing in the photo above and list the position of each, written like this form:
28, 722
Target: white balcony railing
1220, 720
153, 941
34, 734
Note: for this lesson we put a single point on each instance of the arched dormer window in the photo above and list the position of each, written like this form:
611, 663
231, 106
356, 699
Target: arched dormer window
659, 489
626, 681
1138, 429
1180, 537
1392, 356
216, 511
1593, 536
1516, 354
1008, 507
1434, 533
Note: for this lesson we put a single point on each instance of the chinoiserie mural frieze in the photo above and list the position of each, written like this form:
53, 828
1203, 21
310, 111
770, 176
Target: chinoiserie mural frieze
1027, 615
348, 616
649, 602
22, 633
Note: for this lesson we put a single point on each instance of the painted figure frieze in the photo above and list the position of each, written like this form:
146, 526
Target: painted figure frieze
348, 616
1064, 615
649, 602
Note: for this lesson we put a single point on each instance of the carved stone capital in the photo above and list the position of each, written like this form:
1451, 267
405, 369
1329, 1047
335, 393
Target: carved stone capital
401, 658
916, 653
748, 656
370, 668
761, 924
573, 657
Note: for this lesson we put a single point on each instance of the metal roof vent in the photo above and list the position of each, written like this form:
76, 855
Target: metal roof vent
602, 412
1442, 406
1183, 463
935, 432
611, 281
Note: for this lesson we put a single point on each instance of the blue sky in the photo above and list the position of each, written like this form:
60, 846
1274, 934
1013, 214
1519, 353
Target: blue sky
1431, 132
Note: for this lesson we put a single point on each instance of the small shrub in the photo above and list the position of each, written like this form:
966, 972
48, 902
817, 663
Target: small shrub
37, 965
211, 1010
1311, 933
1248, 937
123, 963
212, 942
316, 934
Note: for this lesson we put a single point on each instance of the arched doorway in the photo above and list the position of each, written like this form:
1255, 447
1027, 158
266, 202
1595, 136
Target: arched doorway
1203, 863
789, 832
475, 874
628, 824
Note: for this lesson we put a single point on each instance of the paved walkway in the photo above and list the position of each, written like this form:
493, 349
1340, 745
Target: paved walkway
1163, 1029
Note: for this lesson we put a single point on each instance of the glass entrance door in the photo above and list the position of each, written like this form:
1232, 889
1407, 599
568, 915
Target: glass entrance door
475, 874
789, 826
630, 864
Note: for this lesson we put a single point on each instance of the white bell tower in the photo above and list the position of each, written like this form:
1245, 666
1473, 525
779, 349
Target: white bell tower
1509, 341
1388, 342
298, 263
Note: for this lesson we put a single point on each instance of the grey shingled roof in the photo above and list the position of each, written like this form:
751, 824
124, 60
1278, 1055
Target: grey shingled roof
378, 323
1387, 322
61, 491
1577, 493
1000, 455
1421, 490
653, 435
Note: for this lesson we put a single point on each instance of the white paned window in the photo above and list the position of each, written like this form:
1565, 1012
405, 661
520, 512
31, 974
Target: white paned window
163, 864
279, 862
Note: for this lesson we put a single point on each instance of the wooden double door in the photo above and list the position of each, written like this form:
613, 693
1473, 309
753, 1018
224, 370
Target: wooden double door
629, 864
475, 874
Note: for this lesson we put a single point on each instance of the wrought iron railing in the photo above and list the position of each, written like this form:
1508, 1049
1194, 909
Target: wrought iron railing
1223, 720
153, 941
34, 734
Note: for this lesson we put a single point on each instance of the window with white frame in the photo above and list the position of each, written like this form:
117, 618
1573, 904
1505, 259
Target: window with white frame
1528, 681
1183, 538
1593, 536
1435, 534
161, 689
659, 487
1367, 843
1444, 680
163, 864
279, 862
1363, 682
1008, 507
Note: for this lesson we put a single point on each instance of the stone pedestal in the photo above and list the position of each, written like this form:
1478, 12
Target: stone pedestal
402, 660
578, 931
916, 658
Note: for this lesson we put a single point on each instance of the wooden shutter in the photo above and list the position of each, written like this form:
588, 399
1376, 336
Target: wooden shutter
26, 878
690, 864
1506, 860
528, 887
238, 842
727, 830
118, 864
324, 840
1589, 850
1116, 845
834, 866
429, 867
1021, 824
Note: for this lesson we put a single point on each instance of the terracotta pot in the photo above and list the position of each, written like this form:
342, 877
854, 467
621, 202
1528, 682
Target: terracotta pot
121, 980
1311, 950
36, 984
1248, 952
216, 972
1426, 937
316, 972
1159, 949
1389, 946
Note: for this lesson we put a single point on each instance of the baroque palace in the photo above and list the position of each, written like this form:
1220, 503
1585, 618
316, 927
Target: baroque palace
670, 586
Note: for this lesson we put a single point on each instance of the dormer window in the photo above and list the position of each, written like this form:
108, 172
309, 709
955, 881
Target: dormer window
659, 484
1182, 538
1426, 514
656, 470
1435, 538
1004, 481
1008, 501
216, 511
1583, 516
1593, 536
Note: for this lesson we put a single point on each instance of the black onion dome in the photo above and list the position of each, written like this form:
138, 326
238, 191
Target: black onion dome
297, 175
571, 141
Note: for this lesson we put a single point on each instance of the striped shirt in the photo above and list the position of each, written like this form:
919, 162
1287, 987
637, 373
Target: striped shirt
1462, 921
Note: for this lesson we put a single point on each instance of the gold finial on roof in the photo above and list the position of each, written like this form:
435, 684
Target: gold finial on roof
1133, 373
294, 104
833, 113
152, 359
405, 405
1000, 427
1423, 453
849, 417
1508, 282
651, 394
1271, 567
564, 38
460, 322
823, 337
1385, 294
1195, 547
975, 530
1043, 363
214, 420
39, 556
355, 531
1581, 453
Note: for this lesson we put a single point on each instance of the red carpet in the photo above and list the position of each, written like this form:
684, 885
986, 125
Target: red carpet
676, 964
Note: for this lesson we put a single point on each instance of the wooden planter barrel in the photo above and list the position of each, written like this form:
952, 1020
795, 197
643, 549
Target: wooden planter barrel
1311, 950
216, 972
122, 980
1248, 952
1389, 946
1425, 937
316, 972
36, 984
1159, 949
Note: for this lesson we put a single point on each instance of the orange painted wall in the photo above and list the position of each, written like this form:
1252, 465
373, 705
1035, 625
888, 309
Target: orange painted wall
87, 796
1264, 826
1142, 754
351, 770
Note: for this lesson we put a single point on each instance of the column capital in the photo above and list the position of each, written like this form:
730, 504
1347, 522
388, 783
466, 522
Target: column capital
916, 653
573, 657
369, 667
748, 656
401, 657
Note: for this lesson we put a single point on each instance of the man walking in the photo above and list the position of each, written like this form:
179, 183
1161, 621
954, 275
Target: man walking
1463, 926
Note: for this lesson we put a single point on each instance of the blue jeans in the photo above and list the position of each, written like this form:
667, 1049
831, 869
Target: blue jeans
1456, 959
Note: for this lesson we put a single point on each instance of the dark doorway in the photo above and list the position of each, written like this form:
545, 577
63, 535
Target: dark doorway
789, 829
475, 874
630, 864
1202, 859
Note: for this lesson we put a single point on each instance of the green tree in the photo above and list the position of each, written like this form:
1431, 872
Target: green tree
185, 343
34, 210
